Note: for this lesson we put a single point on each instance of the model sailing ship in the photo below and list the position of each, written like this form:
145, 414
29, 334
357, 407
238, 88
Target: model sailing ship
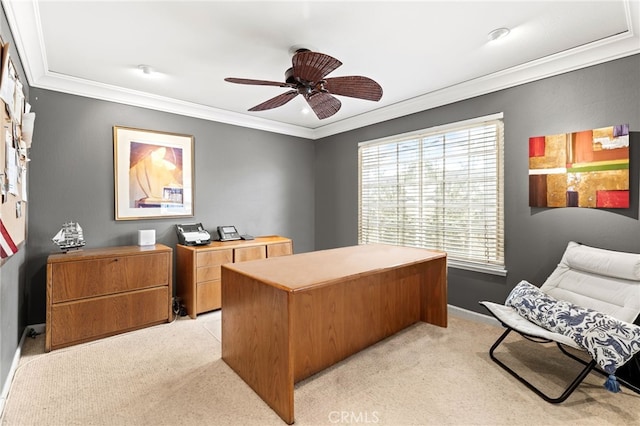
69, 237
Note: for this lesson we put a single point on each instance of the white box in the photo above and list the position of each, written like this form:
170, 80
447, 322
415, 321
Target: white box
146, 237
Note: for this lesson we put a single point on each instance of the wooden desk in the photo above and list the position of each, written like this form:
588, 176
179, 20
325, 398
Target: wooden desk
286, 318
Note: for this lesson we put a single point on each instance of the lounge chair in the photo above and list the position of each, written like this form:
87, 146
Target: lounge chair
603, 285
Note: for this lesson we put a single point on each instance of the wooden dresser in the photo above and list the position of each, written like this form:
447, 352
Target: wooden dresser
198, 268
94, 293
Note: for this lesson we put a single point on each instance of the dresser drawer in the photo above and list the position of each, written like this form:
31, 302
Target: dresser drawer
208, 296
279, 249
250, 253
84, 320
109, 275
208, 273
214, 257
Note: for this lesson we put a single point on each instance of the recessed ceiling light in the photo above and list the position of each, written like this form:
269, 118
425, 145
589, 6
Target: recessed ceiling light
146, 69
305, 110
498, 33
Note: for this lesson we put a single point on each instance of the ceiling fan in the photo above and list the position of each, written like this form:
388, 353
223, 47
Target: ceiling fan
307, 78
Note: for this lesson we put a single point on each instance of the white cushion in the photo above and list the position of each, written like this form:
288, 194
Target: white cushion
604, 280
614, 264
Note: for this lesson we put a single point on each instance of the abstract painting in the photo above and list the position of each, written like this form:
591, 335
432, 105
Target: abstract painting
581, 169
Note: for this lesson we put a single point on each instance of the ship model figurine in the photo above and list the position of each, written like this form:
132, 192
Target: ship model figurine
69, 237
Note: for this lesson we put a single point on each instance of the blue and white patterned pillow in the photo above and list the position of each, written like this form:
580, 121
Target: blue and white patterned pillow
609, 341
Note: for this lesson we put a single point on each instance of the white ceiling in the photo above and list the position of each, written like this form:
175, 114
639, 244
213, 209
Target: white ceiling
423, 53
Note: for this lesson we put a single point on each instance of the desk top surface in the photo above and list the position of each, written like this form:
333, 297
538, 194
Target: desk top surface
306, 270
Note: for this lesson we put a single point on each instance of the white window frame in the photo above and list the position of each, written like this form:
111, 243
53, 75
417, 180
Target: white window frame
409, 204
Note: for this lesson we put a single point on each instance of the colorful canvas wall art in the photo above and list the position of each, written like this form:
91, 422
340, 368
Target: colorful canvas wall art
580, 169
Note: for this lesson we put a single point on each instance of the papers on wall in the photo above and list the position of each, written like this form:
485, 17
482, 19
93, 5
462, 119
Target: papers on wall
28, 121
11, 166
17, 131
18, 103
11, 88
24, 183
8, 87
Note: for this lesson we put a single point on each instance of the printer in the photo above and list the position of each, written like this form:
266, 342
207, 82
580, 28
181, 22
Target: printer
192, 234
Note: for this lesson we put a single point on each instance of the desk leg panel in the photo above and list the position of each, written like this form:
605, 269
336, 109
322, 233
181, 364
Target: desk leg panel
256, 341
434, 292
186, 279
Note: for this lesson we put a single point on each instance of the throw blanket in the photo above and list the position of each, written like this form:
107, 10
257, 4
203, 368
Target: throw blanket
610, 342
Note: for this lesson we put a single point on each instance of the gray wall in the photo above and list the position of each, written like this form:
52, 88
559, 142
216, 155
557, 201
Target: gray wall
261, 182
598, 96
273, 184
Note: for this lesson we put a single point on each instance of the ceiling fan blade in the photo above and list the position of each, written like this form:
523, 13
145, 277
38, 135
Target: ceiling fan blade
354, 86
313, 66
323, 104
276, 101
256, 82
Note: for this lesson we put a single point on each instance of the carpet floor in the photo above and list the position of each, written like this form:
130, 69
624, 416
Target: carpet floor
172, 374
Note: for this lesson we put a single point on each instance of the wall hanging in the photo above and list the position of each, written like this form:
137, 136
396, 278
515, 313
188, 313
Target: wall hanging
581, 169
15, 139
153, 174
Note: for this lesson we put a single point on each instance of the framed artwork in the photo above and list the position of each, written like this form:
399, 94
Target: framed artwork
581, 169
153, 174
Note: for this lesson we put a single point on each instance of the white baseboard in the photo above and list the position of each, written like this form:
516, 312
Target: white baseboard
472, 316
38, 328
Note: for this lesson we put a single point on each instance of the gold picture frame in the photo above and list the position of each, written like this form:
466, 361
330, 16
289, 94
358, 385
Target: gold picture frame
153, 174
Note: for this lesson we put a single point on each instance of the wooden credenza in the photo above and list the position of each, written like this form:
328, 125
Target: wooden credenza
198, 268
95, 293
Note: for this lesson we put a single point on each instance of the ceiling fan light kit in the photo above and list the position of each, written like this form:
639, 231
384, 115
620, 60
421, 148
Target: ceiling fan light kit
307, 78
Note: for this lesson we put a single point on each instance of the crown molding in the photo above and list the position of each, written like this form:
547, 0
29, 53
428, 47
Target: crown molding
601, 51
92, 89
30, 46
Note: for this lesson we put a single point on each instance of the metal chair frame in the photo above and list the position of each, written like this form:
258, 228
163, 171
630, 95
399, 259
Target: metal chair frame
588, 367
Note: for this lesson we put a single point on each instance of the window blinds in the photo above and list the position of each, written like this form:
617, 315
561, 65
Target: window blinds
439, 189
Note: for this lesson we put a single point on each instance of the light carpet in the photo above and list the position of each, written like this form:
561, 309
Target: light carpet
172, 374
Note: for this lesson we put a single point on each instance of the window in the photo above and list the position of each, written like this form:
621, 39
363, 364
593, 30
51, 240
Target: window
439, 188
